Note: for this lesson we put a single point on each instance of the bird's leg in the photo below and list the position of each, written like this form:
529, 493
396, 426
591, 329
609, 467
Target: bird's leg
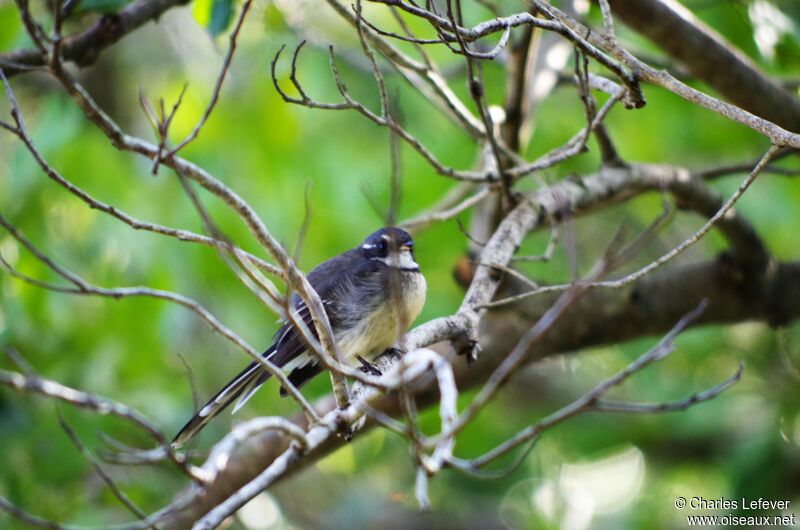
467, 345
343, 428
367, 367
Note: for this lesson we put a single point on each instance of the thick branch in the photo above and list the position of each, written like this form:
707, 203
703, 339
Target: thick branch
650, 306
778, 135
710, 57
85, 47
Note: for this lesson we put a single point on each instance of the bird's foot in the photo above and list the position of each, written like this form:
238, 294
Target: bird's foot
344, 429
467, 347
367, 367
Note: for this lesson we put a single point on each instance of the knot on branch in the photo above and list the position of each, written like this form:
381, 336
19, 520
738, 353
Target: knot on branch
108, 30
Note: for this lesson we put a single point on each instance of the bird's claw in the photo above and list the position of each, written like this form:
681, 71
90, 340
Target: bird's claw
367, 367
468, 347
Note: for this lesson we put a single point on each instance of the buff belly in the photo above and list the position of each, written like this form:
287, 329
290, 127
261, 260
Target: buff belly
385, 324
380, 329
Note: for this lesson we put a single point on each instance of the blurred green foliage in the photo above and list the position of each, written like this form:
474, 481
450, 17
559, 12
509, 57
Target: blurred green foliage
619, 471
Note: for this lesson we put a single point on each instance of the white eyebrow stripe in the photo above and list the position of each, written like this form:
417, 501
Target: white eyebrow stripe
367, 246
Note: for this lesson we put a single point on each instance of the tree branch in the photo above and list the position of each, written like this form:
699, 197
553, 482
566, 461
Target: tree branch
710, 57
85, 47
649, 306
778, 135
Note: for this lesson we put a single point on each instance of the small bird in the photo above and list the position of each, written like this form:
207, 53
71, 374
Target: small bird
371, 294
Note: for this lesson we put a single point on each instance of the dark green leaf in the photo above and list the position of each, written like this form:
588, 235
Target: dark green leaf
221, 14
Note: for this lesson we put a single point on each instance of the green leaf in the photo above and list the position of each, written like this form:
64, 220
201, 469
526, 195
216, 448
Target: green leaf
221, 15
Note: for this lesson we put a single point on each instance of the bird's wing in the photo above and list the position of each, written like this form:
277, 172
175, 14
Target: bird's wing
288, 350
331, 280
328, 279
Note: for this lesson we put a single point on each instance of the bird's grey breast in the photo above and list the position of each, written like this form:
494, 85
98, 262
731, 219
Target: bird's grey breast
370, 304
385, 302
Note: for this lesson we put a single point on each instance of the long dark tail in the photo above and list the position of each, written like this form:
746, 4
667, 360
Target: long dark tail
241, 387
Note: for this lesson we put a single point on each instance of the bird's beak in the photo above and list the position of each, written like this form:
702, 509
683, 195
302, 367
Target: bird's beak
405, 248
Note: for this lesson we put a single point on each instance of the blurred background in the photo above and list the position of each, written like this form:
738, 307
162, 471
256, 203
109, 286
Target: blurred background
596, 471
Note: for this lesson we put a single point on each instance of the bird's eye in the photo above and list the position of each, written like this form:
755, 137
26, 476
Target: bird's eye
382, 246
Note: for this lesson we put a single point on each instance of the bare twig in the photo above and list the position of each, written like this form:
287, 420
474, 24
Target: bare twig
301, 232
589, 400
517, 356
739, 232
21, 132
699, 233
85, 47
478, 94
351, 104
220, 456
572, 147
421, 76
745, 167
226, 63
673, 406
98, 469
33, 29
777, 135
608, 21
446, 212
82, 287
28, 518
552, 243
551, 22
97, 404
15, 357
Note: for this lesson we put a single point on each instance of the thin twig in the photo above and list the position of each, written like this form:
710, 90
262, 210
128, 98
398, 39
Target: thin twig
478, 94
98, 469
608, 21
226, 63
82, 287
590, 399
97, 404
415, 224
301, 232
552, 243
349, 103
715, 219
181, 235
28, 518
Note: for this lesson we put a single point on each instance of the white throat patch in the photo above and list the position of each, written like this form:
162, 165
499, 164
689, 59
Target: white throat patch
400, 260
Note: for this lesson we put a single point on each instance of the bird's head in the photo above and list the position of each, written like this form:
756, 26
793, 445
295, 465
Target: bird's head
392, 246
